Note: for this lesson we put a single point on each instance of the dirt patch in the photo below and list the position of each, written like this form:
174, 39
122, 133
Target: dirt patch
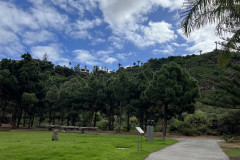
159, 134
230, 146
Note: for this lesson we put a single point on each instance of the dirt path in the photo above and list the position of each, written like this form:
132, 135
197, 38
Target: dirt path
190, 149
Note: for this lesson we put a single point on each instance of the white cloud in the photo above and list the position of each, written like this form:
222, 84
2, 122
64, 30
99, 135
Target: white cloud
124, 56
92, 58
156, 32
96, 41
38, 37
126, 17
72, 6
46, 16
80, 28
117, 42
54, 52
109, 60
10, 43
84, 56
120, 12
202, 39
13, 19
171, 4
104, 52
166, 50
7, 36
30, 24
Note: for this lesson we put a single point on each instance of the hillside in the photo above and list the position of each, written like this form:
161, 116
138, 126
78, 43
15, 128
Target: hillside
205, 68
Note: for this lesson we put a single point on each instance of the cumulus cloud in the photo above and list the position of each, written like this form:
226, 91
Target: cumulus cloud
27, 26
126, 18
202, 39
109, 60
156, 32
84, 56
54, 52
94, 57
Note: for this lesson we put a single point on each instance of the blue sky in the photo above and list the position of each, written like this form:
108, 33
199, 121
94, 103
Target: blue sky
97, 32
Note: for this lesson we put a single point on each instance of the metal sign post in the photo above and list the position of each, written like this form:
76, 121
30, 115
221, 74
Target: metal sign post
141, 132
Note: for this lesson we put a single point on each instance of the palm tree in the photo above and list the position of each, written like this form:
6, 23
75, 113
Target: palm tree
138, 62
119, 65
224, 13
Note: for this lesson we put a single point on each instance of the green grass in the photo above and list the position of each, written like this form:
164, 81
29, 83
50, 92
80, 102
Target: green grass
232, 153
72, 146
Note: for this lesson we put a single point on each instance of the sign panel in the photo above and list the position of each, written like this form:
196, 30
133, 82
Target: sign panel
140, 130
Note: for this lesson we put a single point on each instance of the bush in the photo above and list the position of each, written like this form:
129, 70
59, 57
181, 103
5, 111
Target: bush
229, 123
193, 124
228, 138
102, 124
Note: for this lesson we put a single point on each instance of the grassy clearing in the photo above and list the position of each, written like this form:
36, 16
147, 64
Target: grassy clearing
38, 146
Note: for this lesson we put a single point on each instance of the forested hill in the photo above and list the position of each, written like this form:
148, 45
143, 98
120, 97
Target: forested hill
205, 68
35, 90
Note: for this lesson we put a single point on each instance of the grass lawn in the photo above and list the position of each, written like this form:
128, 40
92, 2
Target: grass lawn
232, 153
232, 150
37, 145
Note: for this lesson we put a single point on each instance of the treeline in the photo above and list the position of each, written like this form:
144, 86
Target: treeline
35, 91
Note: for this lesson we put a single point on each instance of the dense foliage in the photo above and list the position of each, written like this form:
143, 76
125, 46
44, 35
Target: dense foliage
35, 92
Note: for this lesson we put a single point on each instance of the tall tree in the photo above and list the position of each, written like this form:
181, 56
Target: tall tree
52, 99
120, 87
29, 100
172, 91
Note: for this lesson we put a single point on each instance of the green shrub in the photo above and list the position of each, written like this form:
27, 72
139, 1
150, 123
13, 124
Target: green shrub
193, 124
228, 138
102, 124
229, 123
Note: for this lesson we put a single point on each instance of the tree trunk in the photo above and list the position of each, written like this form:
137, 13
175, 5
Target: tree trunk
32, 121
40, 119
164, 126
14, 120
109, 121
90, 117
53, 119
95, 119
2, 117
49, 118
24, 119
62, 118
19, 117
120, 117
128, 122
29, 121
73, 121
113, 120
68, 119
141, 120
